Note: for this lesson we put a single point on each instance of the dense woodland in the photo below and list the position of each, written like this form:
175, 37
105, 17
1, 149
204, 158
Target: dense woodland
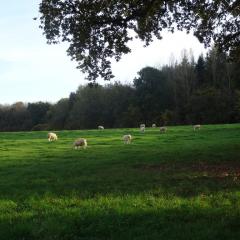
185, 92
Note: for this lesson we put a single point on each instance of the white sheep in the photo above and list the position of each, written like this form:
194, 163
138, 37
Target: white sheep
142, 125
127, 139
142, 129
197, 126
154, 125
80, 142
163, 129
100, 127
52, 136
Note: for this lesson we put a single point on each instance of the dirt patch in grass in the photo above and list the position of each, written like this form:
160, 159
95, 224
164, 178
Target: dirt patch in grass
206, 169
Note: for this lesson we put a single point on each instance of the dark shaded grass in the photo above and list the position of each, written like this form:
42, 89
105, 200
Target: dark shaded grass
105, 223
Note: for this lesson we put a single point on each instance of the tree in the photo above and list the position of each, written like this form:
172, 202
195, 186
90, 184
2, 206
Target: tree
15, 117
58, 114
216, 68
98, 30
184, 84
153, 94
38, 112
211, 105
200, 70
117, 99
88, 108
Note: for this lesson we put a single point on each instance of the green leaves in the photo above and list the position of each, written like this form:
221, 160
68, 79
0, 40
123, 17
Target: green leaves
98, 31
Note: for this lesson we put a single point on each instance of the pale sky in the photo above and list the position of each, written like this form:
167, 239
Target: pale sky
31, 70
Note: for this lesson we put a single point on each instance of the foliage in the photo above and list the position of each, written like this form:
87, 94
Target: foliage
100, 30
153, 94
188, 92
15, 117
58, 114
217, 112
38, 112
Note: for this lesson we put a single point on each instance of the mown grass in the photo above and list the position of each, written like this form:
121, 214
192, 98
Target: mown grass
178, 185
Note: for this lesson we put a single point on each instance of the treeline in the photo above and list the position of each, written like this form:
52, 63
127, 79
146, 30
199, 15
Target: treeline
188, 92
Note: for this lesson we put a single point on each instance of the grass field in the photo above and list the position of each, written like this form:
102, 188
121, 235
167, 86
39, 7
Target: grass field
178, 185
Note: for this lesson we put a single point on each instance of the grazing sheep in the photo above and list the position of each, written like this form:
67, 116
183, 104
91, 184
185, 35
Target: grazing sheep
197, 126
142, 129
163, 129
127, 139
142, 125
80, 142
154, 125
52, 137
100, 127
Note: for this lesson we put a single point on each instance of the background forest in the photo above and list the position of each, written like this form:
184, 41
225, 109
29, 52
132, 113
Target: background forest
185, 92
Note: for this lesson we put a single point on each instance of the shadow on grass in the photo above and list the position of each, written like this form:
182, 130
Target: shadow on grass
88, 222
89, 173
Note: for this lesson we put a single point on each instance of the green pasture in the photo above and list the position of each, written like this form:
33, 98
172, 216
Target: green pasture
182, 184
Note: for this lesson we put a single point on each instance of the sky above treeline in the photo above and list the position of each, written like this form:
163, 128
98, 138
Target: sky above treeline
31, 70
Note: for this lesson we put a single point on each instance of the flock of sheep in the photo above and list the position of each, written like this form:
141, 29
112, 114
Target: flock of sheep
82, 142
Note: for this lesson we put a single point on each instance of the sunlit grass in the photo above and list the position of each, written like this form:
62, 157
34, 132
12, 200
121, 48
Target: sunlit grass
176, 185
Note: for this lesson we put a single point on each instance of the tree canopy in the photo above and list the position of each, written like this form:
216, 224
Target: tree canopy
188, 92
99, 30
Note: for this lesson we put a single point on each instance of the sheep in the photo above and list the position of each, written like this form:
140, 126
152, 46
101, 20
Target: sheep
197, 126
163, 129
80, 142
100, 127
52, 136
142, 129
154, 125
142, 125
127, 139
